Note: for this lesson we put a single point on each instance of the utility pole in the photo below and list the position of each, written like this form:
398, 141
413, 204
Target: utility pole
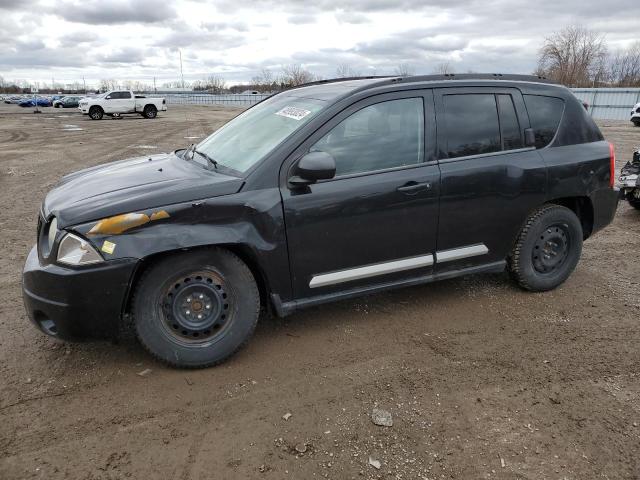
84, 85
181, 74
155, 90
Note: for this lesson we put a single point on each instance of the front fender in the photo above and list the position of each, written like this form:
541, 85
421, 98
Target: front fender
252, 220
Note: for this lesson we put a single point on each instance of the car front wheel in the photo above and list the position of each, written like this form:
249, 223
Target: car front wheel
196, 309
547, 249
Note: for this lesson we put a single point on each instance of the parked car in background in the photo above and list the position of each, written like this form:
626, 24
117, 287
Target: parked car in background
15, 99
320, 193
67, 102
31, 102
635, 115
120, 102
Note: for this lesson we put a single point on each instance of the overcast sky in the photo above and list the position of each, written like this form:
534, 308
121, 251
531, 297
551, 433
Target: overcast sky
140, 39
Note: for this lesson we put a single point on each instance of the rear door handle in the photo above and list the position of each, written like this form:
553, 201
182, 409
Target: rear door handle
411, 188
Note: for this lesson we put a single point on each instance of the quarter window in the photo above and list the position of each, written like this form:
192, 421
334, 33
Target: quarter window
509, 125
544, 114
472, 124
385, 135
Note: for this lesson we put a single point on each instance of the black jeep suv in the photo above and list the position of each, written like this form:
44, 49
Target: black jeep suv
321, 193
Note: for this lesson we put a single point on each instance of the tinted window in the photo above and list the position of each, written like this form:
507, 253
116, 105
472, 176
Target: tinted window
544, 114
385, 135
472, 124
509, 125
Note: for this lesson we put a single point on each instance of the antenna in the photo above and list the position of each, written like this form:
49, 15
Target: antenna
181, 75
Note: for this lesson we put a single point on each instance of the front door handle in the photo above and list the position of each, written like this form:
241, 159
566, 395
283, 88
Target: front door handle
411, 188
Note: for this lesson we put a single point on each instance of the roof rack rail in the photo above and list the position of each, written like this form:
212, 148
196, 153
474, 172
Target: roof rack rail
477, 76
438, 77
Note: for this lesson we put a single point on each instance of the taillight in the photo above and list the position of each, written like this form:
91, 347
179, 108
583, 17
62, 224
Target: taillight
612, 165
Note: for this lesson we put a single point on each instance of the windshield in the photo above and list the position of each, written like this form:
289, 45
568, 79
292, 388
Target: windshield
250, 136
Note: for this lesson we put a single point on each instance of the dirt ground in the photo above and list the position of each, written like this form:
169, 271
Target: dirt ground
483, 380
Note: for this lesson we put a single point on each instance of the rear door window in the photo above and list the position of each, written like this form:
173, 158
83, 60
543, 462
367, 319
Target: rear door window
544, 115
472, 124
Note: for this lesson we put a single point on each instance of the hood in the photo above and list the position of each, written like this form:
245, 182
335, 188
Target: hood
132, 185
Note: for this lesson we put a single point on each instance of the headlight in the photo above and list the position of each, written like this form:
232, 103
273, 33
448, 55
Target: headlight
73, 250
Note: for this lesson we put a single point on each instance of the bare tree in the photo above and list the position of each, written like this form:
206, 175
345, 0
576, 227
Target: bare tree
573, 56
624, 67
444, 68
109, 84
404, 70
344, 70
294, 75
215, 84
264, 80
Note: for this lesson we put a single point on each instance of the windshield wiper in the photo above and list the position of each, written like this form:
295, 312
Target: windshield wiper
209, 159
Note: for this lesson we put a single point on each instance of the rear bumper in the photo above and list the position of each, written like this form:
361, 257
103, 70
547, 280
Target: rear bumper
75, 304
605, 204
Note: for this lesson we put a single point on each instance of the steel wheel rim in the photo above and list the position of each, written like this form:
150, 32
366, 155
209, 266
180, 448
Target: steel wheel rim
551, 249
196, 308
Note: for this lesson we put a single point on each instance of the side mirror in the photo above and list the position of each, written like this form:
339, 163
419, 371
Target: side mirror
529, 137
108, 97
312, 167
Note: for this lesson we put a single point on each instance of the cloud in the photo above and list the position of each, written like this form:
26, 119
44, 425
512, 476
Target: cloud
136, 39
218, 26
126, 56
351, 17
183, 35
114, 12
301, 19
78, 38
15, 4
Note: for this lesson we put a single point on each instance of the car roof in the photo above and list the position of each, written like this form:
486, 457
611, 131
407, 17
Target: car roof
334, 89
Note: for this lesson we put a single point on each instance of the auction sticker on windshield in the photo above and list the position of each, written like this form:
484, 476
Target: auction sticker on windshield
293, 112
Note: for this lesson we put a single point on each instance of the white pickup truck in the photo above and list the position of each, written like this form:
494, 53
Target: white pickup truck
119, 102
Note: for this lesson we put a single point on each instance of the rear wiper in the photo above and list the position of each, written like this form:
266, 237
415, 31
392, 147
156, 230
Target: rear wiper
209, 159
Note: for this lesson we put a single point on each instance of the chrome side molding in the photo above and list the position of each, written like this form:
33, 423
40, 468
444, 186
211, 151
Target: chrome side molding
341, 276
462, 252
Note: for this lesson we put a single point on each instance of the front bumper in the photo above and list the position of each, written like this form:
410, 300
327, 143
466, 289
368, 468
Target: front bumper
74, 304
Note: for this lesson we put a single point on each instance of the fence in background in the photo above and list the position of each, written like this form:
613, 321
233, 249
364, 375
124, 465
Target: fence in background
609, 103
604, 103
237, 100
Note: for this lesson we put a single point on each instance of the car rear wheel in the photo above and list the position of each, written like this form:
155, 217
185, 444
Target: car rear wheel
547, 249
96, 113
636, 123
150, 111
196, 309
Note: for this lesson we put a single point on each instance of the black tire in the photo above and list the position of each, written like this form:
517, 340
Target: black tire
636, 123
634, 202
96, 113
150, 111
547, 249
196, 309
